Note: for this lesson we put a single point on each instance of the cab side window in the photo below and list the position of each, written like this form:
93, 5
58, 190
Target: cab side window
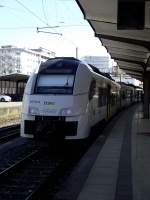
92, 89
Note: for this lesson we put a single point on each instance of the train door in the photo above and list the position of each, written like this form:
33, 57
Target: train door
108, 101
91, 112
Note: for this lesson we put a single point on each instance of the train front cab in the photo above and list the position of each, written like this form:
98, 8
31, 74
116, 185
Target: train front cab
48, 104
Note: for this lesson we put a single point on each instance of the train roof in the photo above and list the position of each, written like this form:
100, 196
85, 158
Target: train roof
126, 85
59, 62
129, 85
106, 75
67, 58
136, 87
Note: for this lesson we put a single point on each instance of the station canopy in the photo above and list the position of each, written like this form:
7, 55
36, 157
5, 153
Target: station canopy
123, 27
14, 77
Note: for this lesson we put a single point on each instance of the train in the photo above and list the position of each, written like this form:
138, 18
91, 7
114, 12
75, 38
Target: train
67, 97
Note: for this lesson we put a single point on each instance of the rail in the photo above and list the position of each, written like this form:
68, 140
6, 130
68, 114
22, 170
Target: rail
8, 133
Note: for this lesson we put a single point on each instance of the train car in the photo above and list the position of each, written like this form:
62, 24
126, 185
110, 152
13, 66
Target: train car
67, 97
130, 94
127, 94
139, 94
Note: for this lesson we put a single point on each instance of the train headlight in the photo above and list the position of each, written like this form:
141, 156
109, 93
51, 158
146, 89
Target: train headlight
66, 112
33, 110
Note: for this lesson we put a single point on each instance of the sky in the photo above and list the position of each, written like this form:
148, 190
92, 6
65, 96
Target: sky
19, 20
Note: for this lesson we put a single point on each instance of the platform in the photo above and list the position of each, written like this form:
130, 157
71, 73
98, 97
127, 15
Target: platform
122, 168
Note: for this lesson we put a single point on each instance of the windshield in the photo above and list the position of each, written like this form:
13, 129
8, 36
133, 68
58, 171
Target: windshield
54, 84
56, 76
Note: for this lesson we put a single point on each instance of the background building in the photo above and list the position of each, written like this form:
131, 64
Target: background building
120, 76
103, 63
22, 60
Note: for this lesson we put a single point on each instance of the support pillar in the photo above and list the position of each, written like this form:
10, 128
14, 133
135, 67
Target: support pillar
146, 82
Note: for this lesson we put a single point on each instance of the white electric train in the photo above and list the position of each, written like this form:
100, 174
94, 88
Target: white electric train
68, 97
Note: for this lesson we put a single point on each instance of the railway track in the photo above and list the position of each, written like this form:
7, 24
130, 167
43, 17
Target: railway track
70, 177
22, 179
26, 178
8, 133
36, 173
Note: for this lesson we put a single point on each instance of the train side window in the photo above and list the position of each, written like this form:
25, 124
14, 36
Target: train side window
123, 95
92, 89
102, 97
105, 96
114, 99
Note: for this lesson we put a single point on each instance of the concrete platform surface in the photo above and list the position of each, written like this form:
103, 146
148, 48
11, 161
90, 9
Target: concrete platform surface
122, 168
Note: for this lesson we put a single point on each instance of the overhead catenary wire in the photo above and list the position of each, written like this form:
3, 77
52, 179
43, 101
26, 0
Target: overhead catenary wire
34, 27
44, 12
35, 15
31, 12
16, 28
46, 27
54, 33
14, 14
